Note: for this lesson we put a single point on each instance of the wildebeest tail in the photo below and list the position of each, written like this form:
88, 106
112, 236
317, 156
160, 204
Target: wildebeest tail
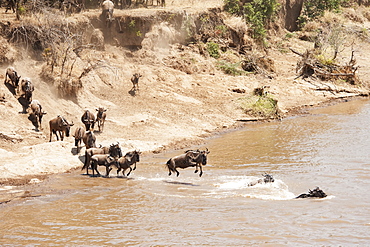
168, 165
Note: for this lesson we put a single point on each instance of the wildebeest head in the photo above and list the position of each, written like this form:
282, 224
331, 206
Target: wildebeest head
65, 125
317, 192
198, 156
88, 119
133, 156
268, 178
115, 150
100, 111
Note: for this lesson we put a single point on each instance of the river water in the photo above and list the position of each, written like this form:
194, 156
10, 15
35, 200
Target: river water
328, 148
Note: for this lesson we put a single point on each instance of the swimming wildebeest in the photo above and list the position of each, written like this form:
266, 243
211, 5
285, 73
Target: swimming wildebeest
135, 82
127, 161
102, 160
26, 88
89, 139
12, 74
190, 158
36, 114
114, 150
100, 117
88, 119
267, 179
59, 124
107, 12
78, 135
317, 192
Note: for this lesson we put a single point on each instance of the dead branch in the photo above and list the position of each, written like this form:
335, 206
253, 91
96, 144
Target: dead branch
310, 65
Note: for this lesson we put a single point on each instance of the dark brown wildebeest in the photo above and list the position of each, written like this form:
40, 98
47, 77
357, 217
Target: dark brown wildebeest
88, 119
36, 114
102, 160
12, 74
78, 135
72, 6
11, 5
100, 117
59, 124
89, 139
190, 158
135, 82
107, 12
317, 192
159, 3
127, 161
26, 89
114, 150
267, 179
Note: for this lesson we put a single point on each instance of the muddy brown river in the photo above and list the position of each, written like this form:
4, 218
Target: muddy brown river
329, 148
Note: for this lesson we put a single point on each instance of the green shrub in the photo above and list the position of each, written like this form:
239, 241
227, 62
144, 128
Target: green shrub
258, 13
213, 49
232, 6
259, 106
315, 8
231, 68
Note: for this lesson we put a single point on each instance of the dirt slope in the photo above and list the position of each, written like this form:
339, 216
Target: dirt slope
172, 109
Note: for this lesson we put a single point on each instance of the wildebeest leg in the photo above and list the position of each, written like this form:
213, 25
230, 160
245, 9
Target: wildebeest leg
107, 170
129, 171
201, 171
94, 167
170, 166
134, 167
177, 172
61, 133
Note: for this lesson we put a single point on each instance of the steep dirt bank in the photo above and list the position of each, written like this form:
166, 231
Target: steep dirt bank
183, 97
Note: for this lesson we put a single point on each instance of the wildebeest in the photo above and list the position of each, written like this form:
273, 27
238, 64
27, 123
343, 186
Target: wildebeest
190, 158
114, 150
89, 139
59, 124
72, 6
36, 114
317, 192
26, 88
12, 74
11, 5
127, 161
102, 160
100, 117
78, 135
267, 179
159, 2
107, 12
88, 119
135, 82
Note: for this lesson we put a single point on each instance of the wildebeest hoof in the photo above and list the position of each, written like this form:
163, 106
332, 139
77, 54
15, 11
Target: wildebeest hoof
195, 171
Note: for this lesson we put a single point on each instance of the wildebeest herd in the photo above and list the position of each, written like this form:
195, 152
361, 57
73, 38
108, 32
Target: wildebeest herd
112, 155
94, 156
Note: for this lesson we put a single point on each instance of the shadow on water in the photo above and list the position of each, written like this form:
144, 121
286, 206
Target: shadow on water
182, 183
